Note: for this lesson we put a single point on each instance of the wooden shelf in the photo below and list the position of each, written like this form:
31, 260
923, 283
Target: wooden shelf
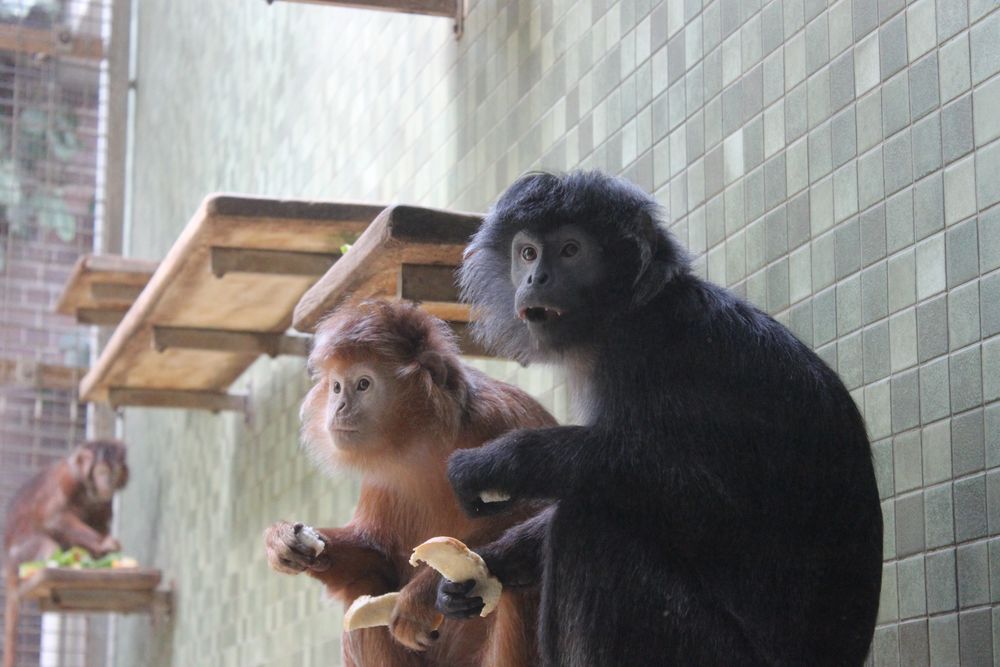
101, 288
124, 591
408, 252
223, 295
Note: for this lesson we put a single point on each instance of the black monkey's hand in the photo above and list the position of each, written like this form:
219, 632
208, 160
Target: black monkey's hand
453, 600
469, 471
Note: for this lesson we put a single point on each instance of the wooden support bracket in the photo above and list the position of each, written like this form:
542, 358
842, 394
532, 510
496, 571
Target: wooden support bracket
466, 343
281, 262
114, 291
221, 340
446, 8
100, 316
177, 398
427, 282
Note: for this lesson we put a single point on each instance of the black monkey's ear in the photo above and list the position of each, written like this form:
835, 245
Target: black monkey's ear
659, 258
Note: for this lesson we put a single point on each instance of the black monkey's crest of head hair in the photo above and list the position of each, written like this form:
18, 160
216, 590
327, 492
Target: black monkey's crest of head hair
626, 221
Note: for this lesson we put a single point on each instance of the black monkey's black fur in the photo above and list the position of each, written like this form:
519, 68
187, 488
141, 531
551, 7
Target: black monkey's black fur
719, 507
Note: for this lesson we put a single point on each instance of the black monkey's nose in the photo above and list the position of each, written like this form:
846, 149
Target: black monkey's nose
540, 278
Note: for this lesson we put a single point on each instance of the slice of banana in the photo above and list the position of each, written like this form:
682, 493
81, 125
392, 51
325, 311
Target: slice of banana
457, 562
370, 612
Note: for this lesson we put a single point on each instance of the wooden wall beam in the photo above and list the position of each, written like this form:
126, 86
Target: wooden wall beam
281, 262
176, 398
27, 373
222, 340
20, 39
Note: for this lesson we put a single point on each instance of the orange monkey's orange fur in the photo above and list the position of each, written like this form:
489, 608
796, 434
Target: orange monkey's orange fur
433, 405
65, 505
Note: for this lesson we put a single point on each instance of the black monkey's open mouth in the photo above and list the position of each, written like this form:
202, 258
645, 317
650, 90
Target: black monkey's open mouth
539, 314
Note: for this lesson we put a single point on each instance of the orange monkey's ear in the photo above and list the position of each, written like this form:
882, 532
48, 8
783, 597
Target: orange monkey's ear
434, 364
81, 461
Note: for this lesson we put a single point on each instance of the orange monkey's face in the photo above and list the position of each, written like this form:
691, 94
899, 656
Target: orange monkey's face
349, 408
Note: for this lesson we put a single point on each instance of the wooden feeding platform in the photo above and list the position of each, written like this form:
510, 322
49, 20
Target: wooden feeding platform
101, 288
408, 252
126, 591
222, 297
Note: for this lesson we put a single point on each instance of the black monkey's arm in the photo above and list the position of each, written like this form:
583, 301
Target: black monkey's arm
530, 463
514, 559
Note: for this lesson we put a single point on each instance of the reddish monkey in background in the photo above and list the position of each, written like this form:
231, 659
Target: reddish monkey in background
66, 505
392, 400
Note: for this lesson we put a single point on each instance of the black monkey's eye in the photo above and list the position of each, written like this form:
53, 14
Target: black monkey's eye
529, 254
336, 387
363, 384
570, 249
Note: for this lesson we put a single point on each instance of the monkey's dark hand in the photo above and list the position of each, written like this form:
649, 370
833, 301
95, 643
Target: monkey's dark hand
469, 471
453, 599
294, 548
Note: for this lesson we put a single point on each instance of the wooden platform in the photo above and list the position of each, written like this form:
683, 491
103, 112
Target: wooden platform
125, 591
101, 288
223, 296
409, 252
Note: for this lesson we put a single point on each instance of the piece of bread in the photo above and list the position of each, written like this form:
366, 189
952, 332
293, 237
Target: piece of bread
492, 496
310, 537
370, 612
457, 562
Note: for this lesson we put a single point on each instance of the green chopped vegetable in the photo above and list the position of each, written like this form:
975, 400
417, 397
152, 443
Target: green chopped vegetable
76, 558
344, 248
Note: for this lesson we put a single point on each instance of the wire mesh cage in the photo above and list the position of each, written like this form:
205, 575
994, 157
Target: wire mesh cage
53, 83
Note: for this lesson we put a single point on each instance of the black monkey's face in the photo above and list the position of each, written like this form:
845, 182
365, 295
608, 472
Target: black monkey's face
555, 275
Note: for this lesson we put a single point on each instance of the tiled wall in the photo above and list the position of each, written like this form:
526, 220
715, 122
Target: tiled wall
838, 163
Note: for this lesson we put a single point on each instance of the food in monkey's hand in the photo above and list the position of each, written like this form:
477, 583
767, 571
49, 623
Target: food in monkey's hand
457, 562
76, 558
310, 537
370, 611
494, 496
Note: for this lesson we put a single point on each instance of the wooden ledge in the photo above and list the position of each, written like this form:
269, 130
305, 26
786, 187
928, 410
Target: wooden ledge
125, 591
101, 288
408, 252
191, 333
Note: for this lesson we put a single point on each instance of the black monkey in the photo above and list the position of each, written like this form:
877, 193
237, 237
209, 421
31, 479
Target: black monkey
719, 505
